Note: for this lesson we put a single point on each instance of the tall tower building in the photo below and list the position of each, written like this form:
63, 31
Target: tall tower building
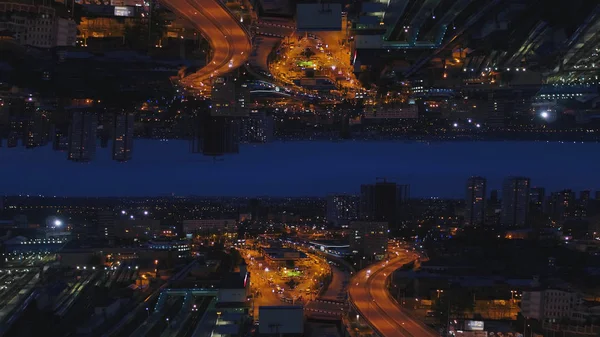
257, 128
515, 201
563, 205
369, 239
36, 129
537, 197
60, 141
342, 208
82, 138
475, 201
585, 196
220, 135
123, 137
381, 202
106, 224
228, 98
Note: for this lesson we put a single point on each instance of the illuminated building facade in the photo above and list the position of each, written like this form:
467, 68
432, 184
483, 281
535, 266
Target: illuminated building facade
257, 128
342, 208
82, 138
123, 137
515, 201
228, 98
369, 239
475, 201
209, 226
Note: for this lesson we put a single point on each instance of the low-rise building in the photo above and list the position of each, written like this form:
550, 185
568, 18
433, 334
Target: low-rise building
37, 25
137, 228
235, 287
410, 111
551, 304
182, 247
282, 256
209, 226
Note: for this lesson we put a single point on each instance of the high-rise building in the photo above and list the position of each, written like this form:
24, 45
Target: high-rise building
228, 98
584, 204
36, 129
563, 205
537, 197
61, 138
82, 138
475, 201
515, 201
123, 137
257, 128
106, 224
537, 215
342, 208
369, 239
494, 197
220, 135
382, 201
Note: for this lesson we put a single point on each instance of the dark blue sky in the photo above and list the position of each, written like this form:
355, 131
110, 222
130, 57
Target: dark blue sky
300, 168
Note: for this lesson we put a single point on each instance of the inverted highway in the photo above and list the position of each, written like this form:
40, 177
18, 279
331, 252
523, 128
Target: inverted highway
229, 40
369, 295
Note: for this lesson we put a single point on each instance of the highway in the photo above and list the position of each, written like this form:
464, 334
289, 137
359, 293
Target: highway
229, 40
369, 295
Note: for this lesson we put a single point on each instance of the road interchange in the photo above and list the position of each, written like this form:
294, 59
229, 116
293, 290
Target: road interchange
229, 40
369, 296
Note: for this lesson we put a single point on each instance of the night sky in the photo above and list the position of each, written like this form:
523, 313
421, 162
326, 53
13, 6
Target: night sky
299, 168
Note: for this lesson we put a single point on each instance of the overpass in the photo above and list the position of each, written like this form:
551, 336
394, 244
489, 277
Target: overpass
370, 298
229, 40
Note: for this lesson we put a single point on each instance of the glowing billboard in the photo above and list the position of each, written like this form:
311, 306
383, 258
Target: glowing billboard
124, 11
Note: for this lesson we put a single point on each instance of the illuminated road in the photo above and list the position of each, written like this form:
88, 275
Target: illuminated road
369, 295
229, 40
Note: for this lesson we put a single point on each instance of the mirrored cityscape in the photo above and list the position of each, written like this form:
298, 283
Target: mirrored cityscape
216, 168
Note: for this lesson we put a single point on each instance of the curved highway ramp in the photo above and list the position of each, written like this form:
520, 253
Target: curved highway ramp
228, 38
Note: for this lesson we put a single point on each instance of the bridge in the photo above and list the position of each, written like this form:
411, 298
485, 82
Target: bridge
229, 40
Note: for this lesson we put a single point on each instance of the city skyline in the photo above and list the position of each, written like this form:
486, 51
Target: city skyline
436, 170
357, 168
